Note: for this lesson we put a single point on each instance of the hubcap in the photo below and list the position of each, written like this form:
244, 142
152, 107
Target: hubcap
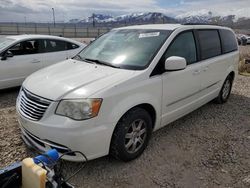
136, 135
226, 89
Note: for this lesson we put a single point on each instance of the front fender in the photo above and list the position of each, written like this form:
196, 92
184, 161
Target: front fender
122, 98
134, 100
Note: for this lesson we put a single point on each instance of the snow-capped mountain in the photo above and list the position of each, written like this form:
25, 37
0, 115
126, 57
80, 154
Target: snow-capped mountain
148, 16
201, 16
134, 17
98, 18
74, 21
207, 16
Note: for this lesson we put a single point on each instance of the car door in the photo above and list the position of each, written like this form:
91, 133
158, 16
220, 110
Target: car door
26, 60
180, 88
214, 64
56, 51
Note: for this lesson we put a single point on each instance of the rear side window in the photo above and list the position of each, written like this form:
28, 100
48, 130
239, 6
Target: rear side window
209, 43
183, 46
58, 45
228, 41
55, 45
71, 46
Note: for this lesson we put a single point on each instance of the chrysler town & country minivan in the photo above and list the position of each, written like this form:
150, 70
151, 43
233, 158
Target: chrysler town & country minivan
128, 83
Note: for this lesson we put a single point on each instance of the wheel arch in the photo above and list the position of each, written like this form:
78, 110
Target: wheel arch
146, 106
150, 109
232, 75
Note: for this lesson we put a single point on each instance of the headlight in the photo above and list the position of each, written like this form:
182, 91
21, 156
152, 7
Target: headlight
79, 109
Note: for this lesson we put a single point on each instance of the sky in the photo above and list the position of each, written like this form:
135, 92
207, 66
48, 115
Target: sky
41, 10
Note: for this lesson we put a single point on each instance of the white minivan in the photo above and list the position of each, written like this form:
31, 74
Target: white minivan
128, 83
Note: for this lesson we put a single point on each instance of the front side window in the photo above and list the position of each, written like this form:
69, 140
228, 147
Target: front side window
183, 46
25, 48
209, 43
126, 48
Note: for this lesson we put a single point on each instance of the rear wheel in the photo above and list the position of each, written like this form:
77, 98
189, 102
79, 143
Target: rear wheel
131, 135
225, 90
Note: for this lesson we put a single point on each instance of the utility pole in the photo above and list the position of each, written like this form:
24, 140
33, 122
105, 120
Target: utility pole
53, 11
93, 17
25, 20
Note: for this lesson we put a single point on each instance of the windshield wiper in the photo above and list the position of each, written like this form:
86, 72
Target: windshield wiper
100, 62
78, 57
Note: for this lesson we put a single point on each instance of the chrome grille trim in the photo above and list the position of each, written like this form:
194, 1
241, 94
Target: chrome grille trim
32, 102
32, 106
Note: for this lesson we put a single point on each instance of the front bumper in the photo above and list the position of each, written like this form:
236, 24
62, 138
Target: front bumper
64, 134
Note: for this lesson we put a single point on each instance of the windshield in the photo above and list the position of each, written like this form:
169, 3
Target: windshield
127, 48
5, 42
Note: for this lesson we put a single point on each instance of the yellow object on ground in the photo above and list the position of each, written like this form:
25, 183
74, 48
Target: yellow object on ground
244, 73
33, 175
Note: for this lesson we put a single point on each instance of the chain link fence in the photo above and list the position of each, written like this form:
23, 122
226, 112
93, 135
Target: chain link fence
64, 30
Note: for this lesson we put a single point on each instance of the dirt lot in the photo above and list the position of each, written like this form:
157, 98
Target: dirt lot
208, 148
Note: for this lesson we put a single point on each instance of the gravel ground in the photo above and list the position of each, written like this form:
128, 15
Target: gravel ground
210, 147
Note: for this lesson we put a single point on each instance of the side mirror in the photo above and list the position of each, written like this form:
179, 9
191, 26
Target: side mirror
175, 63
92, 40
6, 55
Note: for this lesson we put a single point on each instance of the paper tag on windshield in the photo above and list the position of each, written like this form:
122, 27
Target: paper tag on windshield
144, 35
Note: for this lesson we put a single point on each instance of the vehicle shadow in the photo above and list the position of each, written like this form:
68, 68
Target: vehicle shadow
179, 148
8, 97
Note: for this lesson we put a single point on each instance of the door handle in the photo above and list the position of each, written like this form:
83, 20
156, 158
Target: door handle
35, 61
196, 72
205, 68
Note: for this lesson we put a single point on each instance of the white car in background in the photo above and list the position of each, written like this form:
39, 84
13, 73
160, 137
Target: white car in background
22, 55
248, 39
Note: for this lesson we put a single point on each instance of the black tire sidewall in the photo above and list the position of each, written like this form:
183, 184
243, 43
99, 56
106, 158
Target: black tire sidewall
220, 97
118, 139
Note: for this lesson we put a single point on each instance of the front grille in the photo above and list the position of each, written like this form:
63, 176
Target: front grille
31, 106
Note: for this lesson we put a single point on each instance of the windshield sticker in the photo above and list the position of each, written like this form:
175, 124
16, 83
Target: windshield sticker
144, 35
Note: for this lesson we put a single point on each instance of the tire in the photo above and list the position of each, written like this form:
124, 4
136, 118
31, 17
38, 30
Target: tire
225, 90
131, 135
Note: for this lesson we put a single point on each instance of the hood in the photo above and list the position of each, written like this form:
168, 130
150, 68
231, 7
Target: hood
73, 78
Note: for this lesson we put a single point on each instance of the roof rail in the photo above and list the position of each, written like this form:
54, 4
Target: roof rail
199, 24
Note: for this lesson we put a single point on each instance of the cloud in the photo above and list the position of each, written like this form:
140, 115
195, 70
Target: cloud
67, 9
240, 8
40, 10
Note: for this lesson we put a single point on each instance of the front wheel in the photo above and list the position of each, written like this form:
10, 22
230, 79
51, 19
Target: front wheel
131, 135
225, 91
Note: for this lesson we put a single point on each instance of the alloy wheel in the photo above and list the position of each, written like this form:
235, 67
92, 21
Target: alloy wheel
226, 89
135, 136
